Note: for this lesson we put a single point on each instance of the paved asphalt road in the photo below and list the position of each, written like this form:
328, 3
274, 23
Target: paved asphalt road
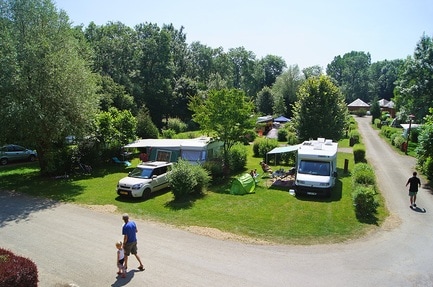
75, 245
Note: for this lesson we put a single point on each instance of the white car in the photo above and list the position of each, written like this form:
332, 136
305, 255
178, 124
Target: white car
146, 178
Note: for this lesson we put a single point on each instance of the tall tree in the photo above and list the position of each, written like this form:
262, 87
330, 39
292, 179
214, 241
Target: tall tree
156, 71
49, 91
351, 74
284, 90
382, 78
265, 101
414, 90
320, 110
225, 114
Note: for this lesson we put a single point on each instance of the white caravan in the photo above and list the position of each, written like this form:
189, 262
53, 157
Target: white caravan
316, 167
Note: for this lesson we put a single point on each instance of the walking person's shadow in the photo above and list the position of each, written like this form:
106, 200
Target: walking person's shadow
420, 210
124, 281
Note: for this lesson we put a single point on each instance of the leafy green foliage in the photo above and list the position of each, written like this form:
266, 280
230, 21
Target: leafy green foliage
145, 127
237, 158
364, 192
265, 101
187, 179
364, 199
49, 90
262, 146
415, 85
359, 153
320, 110
363, 174
225, 114
351, 73
116, 128
424, 150
177, 125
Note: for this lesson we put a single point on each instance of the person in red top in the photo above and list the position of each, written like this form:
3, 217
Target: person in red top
413, 183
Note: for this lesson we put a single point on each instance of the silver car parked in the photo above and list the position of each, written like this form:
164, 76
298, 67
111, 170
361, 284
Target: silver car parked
12, 152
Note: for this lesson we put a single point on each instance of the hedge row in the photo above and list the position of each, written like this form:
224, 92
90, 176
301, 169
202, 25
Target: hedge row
364, 191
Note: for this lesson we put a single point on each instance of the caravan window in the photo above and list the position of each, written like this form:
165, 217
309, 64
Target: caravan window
314, 167
163, 155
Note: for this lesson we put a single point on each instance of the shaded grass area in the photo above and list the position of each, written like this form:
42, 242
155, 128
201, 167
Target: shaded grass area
268, 214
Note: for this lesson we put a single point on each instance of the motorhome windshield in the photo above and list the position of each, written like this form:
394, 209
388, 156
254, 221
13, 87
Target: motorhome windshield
314, 167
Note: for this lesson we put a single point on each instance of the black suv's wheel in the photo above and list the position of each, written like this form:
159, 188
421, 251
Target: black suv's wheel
32, 158
4, 161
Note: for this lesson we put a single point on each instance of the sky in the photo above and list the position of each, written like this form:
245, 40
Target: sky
303, 32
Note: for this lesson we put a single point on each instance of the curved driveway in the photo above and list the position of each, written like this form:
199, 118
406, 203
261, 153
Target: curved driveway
72, 244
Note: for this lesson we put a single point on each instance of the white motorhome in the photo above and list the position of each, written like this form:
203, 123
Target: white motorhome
316, 167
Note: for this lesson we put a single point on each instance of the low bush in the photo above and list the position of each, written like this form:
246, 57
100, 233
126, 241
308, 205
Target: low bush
427, 167
365, 201
187, 179
354, 137
169, 133
177, 125
282, 135
414, 133
363, 174
292, 139
17, 271
398, 141
214, 168
364, 192
359, 153
237, 158
249, 136
262, 146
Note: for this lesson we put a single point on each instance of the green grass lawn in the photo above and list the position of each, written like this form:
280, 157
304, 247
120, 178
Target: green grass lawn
268, 214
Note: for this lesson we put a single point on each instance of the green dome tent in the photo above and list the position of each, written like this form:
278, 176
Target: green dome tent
243, 185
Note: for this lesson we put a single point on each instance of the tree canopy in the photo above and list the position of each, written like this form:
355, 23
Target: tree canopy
48, 90
320, 110
225, 114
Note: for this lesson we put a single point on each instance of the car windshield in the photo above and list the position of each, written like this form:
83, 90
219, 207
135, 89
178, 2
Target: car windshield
314, 167
141, 172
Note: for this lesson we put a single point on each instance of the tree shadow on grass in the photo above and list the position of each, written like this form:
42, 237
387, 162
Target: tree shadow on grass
186, 202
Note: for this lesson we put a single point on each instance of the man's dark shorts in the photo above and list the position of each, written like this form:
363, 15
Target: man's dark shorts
130, 248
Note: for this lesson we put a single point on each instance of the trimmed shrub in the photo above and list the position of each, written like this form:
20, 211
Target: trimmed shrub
377, 123
398, 141
215, 168
359, 153
282, 135
249, 136
17, 271
262, 146
365, 201
354, 137
237, 158
427, 167
363, 174
168, 134
292, 139
414, 133
187, 179
177, 125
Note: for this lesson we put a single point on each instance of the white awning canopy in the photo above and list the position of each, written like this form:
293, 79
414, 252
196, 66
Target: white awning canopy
285, 149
